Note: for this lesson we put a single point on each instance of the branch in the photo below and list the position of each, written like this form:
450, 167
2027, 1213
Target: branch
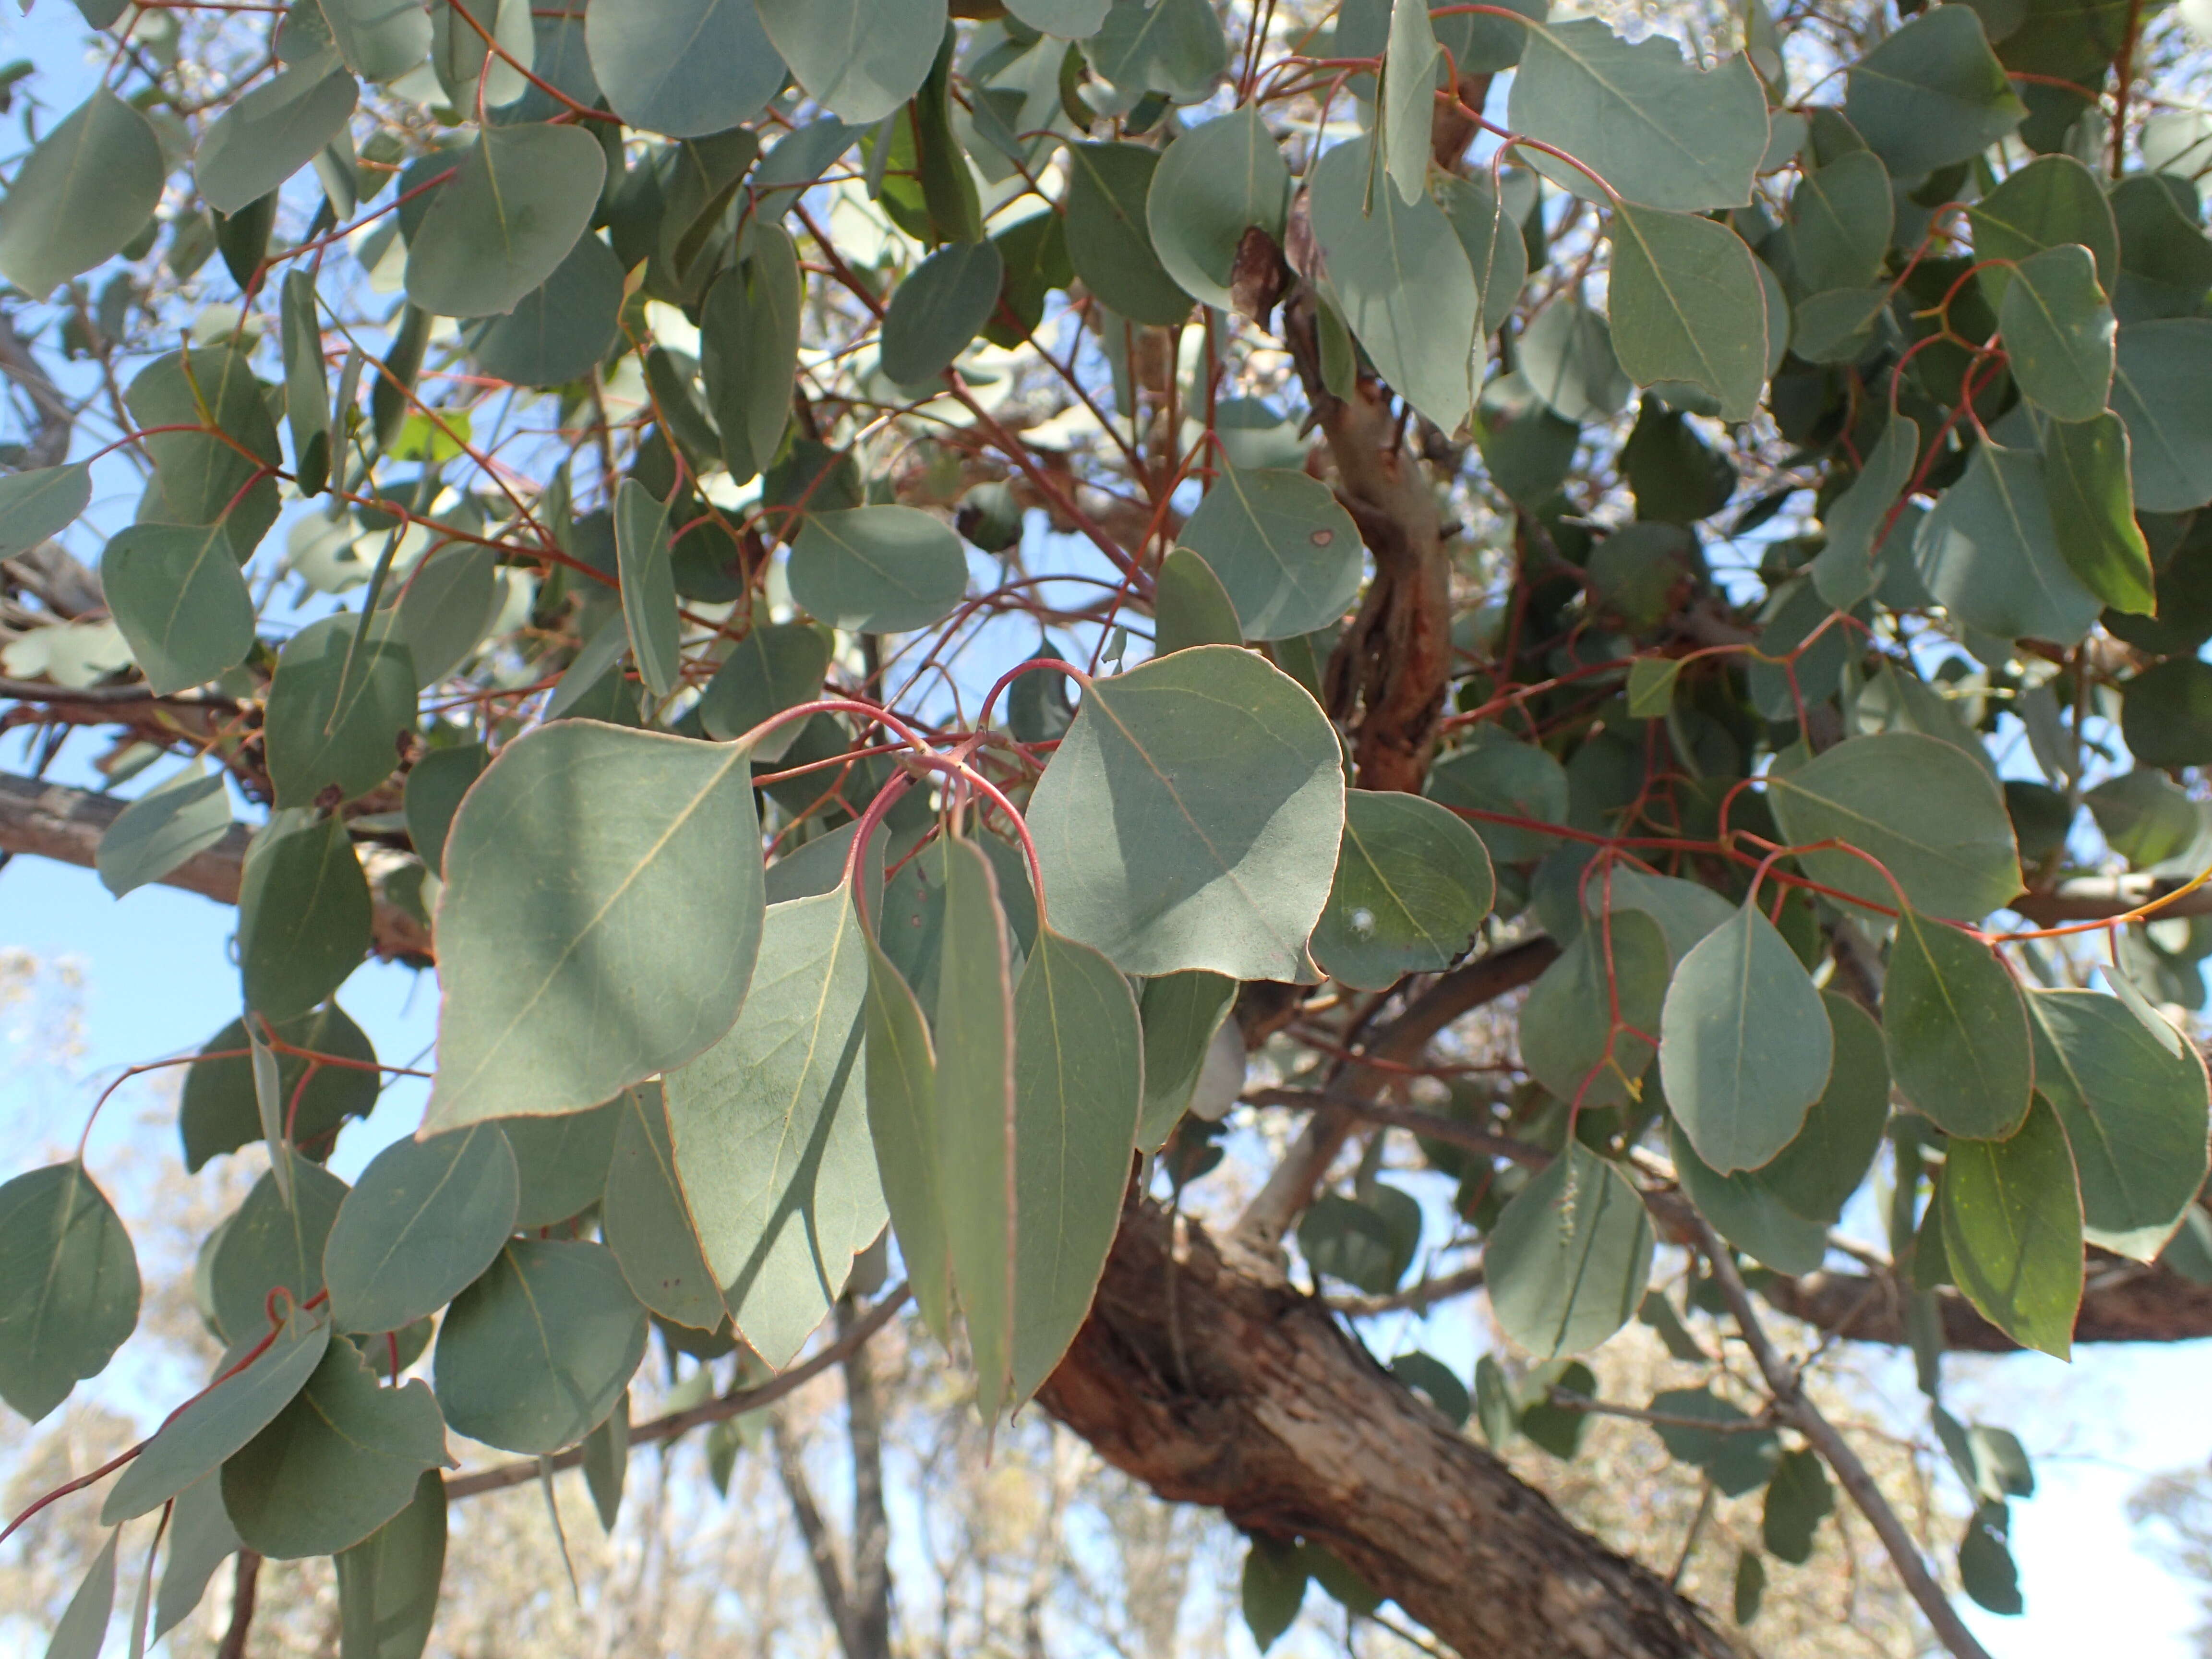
821, 1548
2131, 1303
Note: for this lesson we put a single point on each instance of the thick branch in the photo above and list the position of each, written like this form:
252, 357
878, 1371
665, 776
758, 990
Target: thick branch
1255, 1402
870, 1597
2126, 1304
821, 1548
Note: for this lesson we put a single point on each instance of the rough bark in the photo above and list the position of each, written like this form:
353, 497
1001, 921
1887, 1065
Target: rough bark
2124, 1302
1231, 1389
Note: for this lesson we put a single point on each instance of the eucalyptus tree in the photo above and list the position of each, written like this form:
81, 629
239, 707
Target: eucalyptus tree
916, 608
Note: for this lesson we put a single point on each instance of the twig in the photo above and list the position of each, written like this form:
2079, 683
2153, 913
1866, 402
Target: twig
1690, 1538
1413, 1297
243, 1584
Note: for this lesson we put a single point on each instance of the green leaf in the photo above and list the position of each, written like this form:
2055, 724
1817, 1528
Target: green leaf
1067, 20
1956, 1030
1514, 780
860, 60
219, 473
453, 600
1931, 94
1798, 1499
84, 191
685, 68
1986, 1571
2144, 816
39, 503
426, 1217
1934, 820
2134, 1115
1409, 87
2165, 714
1171, 46
561, 1162
201, 1538
602, 908
270, 1253
1436, 1381
902, 1093
1413, 885
379, 39
2052, 201
1400, 277
82, 1630
338, 709
1685, 910
1079, 1087
306, 391
1851, 565
164, 828
2058, 334
303, 915
1661, 133
878, 569
207, 1429
558, 330
775, 667
338, 1462
220, 1115
1740, 1458
1287, 554
435, 784
1190, 606
536, 1352
1841, 216
1568, 1259
1183, 1014
1216, 182
1567, 358
1567, 1039
1816, 1174
749, 352
1651, 686
1750, 1586
2012, 1230
771, 1139
1495, 1411
1988, 552
1746, 1213
1688, 305
1744, 1044
177, 595
388, 1583
648, 587
1838, 326
522, 199
1109, 241
646, 1222
606, 1461
1189, 818
940, 309
1493, 244
2166, 260
68, 1297
1273, 1590
2162, 388
976, 1107
1344, 1239
2085, 479
271, 132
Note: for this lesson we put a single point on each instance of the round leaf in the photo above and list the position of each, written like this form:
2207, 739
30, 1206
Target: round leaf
2012, 1230
270, 1253
878, 569
1568, 1040
84, 191
685, 68
271, 133
2165, 714
69, 1291
181, 601
425, 1218
337, 710
1109, 239
860, 60
1413, 885
1817, 1173
1217, 181
558, 330
1956, 1030
1567, 1262
502, 225
940, 309
1287, 554
219, 1114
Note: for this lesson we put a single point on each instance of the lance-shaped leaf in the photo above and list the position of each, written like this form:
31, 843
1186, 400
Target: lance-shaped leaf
1817, 1173
85, 190
338, 1461
270, 1257
1956, 1030
1190, 816
2012, 1230
83, 1629
1288, 556
201, 1538
1108, 239
646, 1221
521, 200
180, 599
771, 1129
2059, 332
1850, 567
388, 1583
685, 69
1568, 1040
601, 912
878, 569
1409, 97
938, 310
1567, 1262
1078, 1082
1688, 305
338, 709
775, 667
1988, 552
185, 815
2134, 1112
1931, 94
975, 1116
1181, 1013
860, 60
2162, 388
69, 1293
901, 1094
211, 1425
2084, 479
1661, 133
748, 349
1400, 277
271, 132
426, 1217
1744, 1044
307, 392
1217, 181
536, 1352
379, 39
1933, 818
39, 503
649, 586
1413, 885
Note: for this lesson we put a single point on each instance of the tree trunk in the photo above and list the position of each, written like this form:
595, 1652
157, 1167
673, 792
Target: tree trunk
1228, 1388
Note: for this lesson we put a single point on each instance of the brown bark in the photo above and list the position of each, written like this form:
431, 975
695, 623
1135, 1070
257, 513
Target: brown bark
2124, 1302
1250, 1398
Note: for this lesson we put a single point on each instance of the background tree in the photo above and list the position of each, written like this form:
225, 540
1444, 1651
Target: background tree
916, 613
